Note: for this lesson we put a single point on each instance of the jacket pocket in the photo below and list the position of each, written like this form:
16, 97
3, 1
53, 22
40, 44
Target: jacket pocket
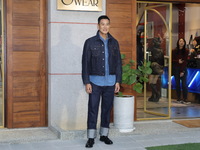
114, 50
95, 50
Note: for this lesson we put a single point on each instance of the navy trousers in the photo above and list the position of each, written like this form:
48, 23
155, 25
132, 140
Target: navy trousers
106, 94
181, 81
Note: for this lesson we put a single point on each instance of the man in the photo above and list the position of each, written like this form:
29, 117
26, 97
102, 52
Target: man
101, 74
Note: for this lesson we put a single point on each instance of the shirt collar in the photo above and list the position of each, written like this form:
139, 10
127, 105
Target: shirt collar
103, 38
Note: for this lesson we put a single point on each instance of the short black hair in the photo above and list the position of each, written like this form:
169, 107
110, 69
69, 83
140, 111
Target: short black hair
103, 17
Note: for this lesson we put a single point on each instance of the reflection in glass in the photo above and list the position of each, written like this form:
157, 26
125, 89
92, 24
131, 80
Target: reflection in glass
153, 39
154, 20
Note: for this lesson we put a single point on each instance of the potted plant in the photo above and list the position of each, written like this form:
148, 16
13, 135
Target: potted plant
124, 104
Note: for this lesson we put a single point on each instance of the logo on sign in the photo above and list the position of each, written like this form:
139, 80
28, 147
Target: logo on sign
88, 5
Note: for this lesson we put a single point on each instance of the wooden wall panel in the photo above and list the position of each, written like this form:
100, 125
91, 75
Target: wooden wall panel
118, 2
26, 106
26, 32
26, 15
123, 28
26, 86
175, 1
121, 7
124, 17
26, 44
26, 119
26, 63
125, 38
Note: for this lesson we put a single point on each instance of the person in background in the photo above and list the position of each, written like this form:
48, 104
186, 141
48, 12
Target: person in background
102, 75
157, 66
140, 49
179, 67
195, 48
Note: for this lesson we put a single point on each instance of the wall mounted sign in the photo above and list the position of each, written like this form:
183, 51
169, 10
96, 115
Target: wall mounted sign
83, 5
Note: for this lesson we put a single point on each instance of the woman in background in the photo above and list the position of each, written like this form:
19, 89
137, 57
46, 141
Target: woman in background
179, 61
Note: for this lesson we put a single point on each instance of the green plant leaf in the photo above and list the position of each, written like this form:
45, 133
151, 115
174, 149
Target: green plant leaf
148, 63
138, 87
135, 77
126, 68
120, 94
123, 56
145, 79
132, 79
132, 62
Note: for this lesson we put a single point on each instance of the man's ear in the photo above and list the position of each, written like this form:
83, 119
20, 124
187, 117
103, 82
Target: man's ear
98, 26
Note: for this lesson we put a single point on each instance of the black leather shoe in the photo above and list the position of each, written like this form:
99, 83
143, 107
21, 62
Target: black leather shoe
89, 143
106, 140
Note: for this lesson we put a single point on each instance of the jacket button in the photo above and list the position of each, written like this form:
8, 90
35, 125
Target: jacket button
103, 59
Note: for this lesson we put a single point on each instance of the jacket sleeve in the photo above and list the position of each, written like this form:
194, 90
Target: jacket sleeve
119, 66
85, 63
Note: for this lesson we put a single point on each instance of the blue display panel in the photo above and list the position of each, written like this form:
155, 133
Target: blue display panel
193, 80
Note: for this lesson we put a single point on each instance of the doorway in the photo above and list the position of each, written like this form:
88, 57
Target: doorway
1, 66
154, 21
154, 40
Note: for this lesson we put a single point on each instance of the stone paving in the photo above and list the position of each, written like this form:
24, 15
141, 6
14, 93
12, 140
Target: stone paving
147, 133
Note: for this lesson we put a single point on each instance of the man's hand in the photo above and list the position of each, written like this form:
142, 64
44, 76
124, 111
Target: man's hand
88, 88
117, 87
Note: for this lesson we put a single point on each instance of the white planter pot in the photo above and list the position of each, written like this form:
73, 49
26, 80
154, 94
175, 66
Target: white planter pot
124, 113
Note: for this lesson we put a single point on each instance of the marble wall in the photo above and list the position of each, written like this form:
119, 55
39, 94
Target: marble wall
67, 32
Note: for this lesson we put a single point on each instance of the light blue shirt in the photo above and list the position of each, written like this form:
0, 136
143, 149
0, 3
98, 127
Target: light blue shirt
107, 80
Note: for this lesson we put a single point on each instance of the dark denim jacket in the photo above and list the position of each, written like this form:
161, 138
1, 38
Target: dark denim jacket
93, 58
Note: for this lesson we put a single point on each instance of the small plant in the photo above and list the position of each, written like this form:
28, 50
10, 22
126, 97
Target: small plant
135, 77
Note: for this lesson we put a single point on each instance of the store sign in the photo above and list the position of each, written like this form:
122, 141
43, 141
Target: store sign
83, 5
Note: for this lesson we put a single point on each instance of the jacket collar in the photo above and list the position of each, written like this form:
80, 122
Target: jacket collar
98, 36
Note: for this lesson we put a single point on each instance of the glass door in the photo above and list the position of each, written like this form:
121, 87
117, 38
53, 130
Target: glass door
1, 67
154, 42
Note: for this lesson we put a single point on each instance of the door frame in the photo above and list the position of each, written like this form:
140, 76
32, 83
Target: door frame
3, 60
168, 115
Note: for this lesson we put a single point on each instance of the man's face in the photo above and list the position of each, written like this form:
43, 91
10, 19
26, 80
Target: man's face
104, 26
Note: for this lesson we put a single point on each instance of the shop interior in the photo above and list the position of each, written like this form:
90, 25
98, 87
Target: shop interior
167, 22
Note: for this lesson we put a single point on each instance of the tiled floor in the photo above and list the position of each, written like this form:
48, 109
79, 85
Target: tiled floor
178, 110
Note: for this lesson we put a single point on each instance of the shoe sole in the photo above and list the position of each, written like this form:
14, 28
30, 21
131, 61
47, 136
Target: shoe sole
105, 142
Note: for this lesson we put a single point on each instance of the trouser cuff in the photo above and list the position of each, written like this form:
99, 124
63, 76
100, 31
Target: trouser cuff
103, 131
91, 133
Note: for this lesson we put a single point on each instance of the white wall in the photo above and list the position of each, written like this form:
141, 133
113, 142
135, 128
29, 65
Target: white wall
67, 32
192, 21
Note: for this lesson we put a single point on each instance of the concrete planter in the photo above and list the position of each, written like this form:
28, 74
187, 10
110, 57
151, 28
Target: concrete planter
124, 113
